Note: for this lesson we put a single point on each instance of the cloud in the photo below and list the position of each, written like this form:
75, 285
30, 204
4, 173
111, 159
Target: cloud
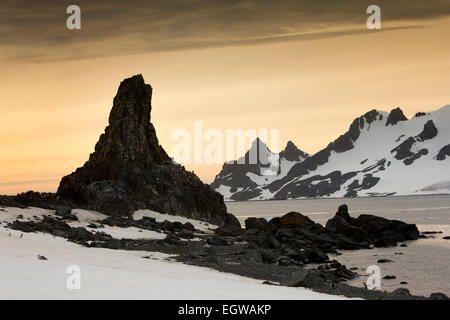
36, 30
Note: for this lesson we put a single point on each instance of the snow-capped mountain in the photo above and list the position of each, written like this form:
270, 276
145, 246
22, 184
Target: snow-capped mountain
381, 154
242, 179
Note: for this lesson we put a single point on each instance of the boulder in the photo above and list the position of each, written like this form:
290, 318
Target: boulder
343, 213
304, 278
384, 261
438, 296
292, 219
339, 225
255, 223
66, 213
217, 241
401, 291
228, 230
369, 229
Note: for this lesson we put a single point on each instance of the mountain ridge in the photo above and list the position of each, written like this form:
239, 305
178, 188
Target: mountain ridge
389, 147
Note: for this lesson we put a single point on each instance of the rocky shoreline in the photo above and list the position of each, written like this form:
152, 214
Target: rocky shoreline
288, 251
129, 170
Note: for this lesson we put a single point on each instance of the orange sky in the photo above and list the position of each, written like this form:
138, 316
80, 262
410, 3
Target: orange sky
52, 112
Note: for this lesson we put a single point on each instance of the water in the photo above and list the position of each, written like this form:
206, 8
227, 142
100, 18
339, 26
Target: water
424, 264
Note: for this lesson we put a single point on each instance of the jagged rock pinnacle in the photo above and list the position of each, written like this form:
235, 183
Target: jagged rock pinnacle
395, 116
129, 170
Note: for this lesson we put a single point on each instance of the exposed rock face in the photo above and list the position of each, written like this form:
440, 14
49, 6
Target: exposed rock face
243, 179
129, 170
443, 153
292, 153
369, 229
395, 117
429, 131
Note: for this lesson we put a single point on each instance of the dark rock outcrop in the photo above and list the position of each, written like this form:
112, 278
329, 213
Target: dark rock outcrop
420, 114
256, 223
292, 219
129, 170
292, 153
30, 199
395, 116
403, 150
443, 153
429, 131
371, 230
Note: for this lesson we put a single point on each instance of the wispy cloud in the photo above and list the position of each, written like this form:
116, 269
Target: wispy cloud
36, 30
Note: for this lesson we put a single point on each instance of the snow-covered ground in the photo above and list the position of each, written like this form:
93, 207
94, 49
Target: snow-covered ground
114, 274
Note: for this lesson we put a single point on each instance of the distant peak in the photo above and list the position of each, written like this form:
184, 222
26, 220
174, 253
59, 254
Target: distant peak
292, 153
258, 143
395, 116
135, 81
290, 144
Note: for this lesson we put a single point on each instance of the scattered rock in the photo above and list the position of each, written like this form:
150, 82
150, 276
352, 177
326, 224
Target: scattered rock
255, 223
66, 213
292, 219
384, 261
438, 296
189, 226
305, 278
229, 230
41, 257
402, 291
369, 229
217, 241
343, 213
